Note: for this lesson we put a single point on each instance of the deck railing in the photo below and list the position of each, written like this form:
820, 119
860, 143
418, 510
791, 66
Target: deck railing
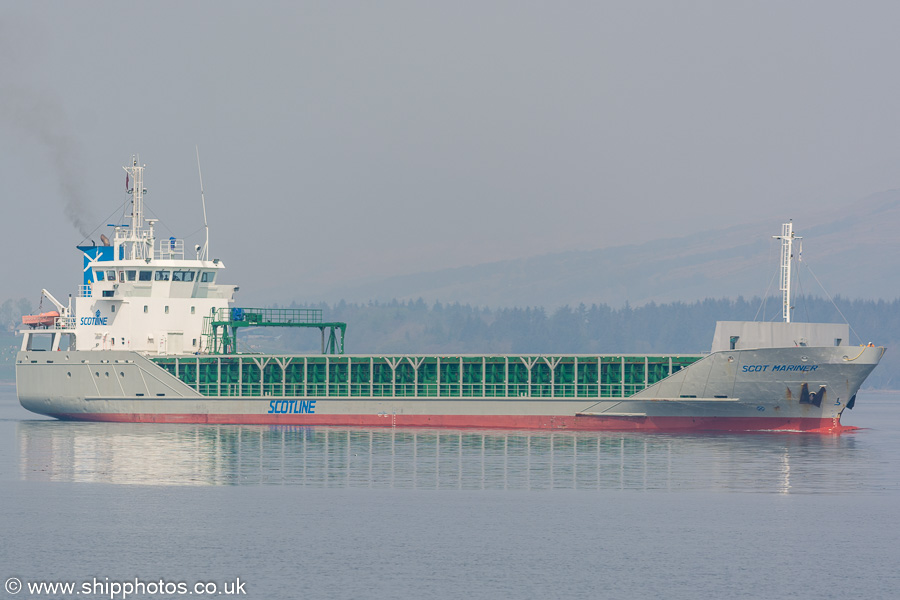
64, 323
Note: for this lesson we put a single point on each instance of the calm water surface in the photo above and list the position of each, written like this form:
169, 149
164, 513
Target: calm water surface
393, 513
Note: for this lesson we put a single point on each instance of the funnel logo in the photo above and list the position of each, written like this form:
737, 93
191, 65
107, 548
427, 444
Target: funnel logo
95, 320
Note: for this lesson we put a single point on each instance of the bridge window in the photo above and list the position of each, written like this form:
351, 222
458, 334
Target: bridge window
111, 275
208, 277
183, 276
162, 275
98, 274
145, 275
108, 293
129, 275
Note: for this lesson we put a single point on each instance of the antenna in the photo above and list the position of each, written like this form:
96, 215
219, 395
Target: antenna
204, 253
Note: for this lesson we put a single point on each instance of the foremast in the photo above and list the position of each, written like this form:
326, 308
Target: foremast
787, 238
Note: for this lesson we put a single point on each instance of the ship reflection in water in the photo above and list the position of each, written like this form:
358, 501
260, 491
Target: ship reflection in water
429, 459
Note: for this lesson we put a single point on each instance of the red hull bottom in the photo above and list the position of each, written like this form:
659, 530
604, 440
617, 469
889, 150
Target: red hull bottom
569, 422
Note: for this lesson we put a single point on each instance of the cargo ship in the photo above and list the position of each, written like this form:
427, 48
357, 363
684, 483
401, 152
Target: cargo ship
152, 336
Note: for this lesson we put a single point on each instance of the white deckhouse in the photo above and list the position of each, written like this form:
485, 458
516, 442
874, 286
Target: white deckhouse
138, 293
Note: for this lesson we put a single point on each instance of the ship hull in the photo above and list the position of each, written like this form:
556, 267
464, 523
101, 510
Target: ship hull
574, 423
775, 389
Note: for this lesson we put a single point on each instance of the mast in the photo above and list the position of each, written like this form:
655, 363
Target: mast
137, 242
787, 238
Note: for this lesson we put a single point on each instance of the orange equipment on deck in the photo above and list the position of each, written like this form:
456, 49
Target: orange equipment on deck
42, 320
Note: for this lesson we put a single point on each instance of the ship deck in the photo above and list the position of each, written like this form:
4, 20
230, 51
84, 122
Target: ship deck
461, 376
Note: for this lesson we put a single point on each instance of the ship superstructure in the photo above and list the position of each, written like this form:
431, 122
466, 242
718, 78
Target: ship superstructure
153, 338
138, 293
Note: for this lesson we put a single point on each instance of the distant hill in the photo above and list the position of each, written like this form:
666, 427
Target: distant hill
853, 253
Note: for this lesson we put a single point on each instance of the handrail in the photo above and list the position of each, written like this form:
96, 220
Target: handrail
171, 249
64, 323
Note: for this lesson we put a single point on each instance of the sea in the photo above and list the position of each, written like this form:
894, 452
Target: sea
169, 511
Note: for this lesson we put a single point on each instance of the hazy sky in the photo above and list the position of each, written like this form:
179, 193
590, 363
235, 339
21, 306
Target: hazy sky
344, 140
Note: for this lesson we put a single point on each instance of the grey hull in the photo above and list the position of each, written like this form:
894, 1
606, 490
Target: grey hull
775, 388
